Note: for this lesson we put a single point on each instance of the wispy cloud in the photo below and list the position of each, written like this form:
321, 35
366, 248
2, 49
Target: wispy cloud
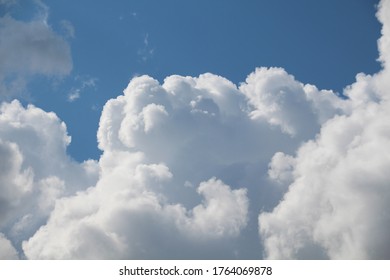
84, 84
146, 52
68, 28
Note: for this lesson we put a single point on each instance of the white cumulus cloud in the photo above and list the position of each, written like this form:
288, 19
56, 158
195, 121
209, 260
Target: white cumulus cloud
35, 169
125, 216
336, 205
157, 139
277, 98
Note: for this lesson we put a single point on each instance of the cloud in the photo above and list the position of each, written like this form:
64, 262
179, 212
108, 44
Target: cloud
15, 183
84, 83
158, 139
68, 28
384, 42
277, 98
7, 252
188, 164
32, 48
146, 52
281, 168
336, 205
128, 220
153, 143
8, 3
224, 212
35, 169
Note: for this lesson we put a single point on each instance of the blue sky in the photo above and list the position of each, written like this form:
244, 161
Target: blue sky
324, 43
194, 129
